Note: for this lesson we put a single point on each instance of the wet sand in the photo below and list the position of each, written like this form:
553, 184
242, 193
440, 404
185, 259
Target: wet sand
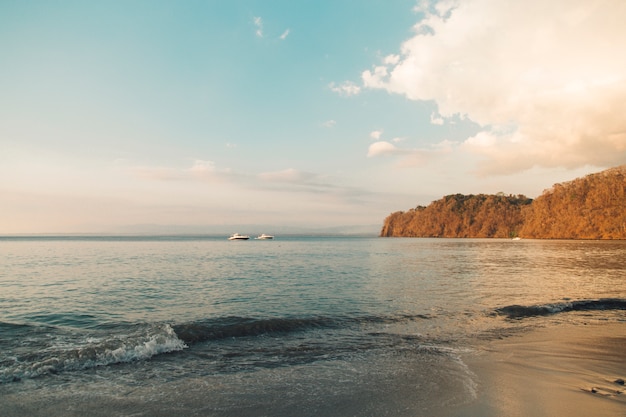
428, 384
569, 370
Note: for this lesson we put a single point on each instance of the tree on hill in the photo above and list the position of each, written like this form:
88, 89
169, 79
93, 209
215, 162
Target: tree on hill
459, 215
593, 207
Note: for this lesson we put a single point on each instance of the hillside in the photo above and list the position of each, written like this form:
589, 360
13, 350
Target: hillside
460, 215
592, 207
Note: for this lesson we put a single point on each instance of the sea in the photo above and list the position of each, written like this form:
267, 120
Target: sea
294, 326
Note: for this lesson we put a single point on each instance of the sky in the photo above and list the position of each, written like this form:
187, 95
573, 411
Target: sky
126, 115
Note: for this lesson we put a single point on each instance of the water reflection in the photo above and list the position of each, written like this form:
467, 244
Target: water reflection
456, 274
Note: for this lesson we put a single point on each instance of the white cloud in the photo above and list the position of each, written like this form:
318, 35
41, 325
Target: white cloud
207, 171
376, 134
284, 34
544, 80
382, 148
329, 123
347, 89
202, 167
258, 23
411, 157
391, 59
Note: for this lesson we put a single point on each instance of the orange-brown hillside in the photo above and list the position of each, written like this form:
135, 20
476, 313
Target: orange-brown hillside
592, 207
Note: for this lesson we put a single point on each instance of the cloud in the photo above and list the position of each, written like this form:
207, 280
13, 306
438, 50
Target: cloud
543, 80
156, 173
294, 180
318, 188
382, 148
200, 170
202, 167
258, 23
407, 157
391, 59
348, 88
376, 134
204, 171
288, 175
410, 157
329, 123
259, 30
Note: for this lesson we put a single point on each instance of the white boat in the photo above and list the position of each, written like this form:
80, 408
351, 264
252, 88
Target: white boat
237, 236
265, 237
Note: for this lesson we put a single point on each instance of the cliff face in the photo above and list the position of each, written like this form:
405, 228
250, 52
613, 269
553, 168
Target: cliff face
593, 207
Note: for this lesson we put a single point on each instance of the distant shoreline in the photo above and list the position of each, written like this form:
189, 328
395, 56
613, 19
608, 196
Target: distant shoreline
218, 237
177, 236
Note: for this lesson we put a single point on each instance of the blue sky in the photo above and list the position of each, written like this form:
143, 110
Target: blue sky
298, 113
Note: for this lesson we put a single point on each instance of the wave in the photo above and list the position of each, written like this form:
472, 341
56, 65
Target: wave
7, 327
230, 327
63, 354
235, 327
236, 344
519, 311
44, 350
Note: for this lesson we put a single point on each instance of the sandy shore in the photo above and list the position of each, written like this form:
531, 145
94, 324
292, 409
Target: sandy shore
572, 370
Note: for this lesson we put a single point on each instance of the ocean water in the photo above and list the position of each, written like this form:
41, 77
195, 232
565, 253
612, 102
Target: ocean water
308, 326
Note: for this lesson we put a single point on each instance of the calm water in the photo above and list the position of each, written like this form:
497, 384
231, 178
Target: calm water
297, 325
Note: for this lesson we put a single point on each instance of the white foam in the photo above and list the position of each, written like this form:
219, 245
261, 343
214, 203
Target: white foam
558, 307
154, 345
68, 357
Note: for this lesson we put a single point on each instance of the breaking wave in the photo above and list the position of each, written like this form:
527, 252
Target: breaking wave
52, 350
64, 354
519, 311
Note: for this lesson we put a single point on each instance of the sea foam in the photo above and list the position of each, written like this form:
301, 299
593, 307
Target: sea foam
92, 352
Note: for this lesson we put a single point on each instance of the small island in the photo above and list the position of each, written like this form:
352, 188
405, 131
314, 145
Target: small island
591, 207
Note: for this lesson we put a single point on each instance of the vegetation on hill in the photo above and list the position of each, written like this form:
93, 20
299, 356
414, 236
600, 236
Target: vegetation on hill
593, 207
460, 215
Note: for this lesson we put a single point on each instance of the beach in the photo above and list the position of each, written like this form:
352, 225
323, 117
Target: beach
569, 370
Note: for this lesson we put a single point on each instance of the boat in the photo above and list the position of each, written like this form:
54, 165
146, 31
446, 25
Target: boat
264, 237
237, 236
